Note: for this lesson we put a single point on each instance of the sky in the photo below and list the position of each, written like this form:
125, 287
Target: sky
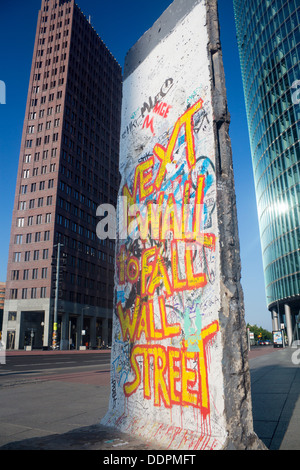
120, 24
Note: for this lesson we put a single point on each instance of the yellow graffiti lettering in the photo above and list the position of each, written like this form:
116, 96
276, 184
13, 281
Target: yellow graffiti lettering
165, 155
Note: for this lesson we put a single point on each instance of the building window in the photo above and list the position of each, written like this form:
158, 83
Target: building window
43, 292
24, 293
14, 294
15, 275
18, 239
45, 253
17, 257
12, 316
44, 273
27, 256
36, 255
22, 205
33, 292
48, 218
20, 222
26, 275
35, 273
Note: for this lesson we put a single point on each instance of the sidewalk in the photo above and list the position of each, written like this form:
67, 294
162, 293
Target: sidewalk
276, 410
275, 383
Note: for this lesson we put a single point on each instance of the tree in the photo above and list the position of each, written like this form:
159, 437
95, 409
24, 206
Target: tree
260, 333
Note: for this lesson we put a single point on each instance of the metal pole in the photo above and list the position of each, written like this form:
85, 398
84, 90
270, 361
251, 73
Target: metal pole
82, 321
54, 338
248, 337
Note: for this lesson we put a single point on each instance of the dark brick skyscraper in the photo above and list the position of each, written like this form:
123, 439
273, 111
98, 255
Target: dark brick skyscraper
68, 166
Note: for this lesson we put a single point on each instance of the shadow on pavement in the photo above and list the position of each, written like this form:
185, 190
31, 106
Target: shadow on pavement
275, 402
95, 437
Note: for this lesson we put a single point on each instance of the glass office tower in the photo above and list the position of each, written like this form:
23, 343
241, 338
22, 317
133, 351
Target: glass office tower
268, 37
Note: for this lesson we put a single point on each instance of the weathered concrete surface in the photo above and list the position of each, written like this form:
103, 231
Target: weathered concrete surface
237, 388
180, 375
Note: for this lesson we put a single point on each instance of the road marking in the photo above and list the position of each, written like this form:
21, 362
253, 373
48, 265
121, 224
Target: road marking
41, 364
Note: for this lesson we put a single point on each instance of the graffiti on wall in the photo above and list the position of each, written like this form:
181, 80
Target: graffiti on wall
164, 266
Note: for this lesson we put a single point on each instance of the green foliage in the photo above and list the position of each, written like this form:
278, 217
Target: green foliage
258, 330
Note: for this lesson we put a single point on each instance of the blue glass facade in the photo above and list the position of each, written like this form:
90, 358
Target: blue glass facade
268, 36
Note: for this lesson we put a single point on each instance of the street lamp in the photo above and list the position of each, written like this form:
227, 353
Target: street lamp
54, 335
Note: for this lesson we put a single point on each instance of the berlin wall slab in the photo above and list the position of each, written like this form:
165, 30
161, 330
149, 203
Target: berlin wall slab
179, 355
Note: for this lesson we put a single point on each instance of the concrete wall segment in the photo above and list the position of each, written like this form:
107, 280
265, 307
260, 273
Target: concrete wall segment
179, 368
160, 29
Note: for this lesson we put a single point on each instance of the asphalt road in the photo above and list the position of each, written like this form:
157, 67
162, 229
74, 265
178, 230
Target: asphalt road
48, 393
22, 367
27, 367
